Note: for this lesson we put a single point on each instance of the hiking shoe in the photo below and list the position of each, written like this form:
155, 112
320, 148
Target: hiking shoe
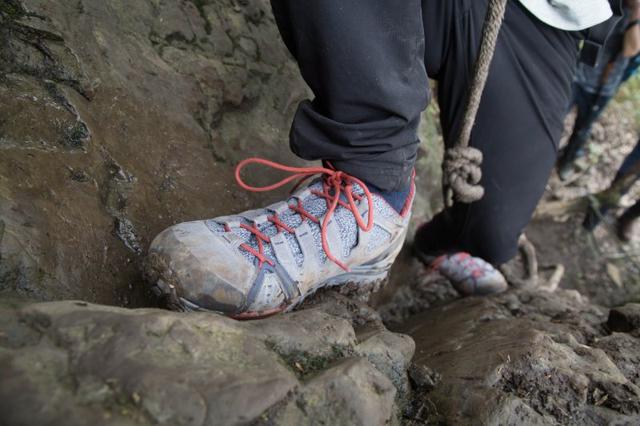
624, 227
469, 275
567, 167
332, 231
565, 171
569, 156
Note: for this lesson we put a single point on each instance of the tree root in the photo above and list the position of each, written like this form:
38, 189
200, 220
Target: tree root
532, 278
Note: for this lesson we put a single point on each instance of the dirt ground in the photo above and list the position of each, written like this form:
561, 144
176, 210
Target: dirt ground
597, 264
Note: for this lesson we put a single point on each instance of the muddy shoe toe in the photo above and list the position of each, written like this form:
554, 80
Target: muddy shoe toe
189, 263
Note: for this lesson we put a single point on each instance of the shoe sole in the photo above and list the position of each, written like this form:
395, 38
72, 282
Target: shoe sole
359, 283
351, 284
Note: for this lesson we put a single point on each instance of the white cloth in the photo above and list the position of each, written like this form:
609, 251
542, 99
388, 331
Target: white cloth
570, 15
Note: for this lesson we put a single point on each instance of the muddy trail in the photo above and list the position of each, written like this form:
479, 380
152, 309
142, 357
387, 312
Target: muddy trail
118, 119
597, 263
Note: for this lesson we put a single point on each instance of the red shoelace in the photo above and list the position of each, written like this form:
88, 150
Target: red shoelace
334, 183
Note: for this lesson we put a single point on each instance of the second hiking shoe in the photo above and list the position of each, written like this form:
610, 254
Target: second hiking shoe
470, 275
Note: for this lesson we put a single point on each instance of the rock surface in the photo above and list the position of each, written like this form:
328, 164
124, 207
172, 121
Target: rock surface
518, 358
120, 118
524, 358
74, 363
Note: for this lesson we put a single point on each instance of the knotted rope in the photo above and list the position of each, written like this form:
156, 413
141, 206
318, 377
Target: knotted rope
461, 167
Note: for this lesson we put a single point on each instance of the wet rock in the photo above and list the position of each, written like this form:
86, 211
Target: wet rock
73, 363
516, 358
155, 102
22, 126
352, 392
624, 351
308, 340
423, 378
521, 358
391, 354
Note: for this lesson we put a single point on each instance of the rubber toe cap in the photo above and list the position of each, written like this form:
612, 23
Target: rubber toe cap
201, 266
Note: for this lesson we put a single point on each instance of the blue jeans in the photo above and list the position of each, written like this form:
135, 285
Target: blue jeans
632, 161
589, 108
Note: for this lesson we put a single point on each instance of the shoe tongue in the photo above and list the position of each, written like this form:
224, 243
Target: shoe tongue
396, 199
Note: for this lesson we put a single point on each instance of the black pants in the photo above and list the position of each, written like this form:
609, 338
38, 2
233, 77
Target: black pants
368, 64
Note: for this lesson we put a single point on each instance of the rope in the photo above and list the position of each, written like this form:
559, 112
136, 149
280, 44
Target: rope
461, 167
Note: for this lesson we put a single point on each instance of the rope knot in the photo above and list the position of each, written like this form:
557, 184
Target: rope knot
461, 167
461, 174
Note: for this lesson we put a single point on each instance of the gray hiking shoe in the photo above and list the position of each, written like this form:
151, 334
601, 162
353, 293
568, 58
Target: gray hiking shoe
470, 275
330, 232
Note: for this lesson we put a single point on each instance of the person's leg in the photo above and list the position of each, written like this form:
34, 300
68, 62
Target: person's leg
518, 126
363, 60
626, 176
583, 101
589, 108
630, 163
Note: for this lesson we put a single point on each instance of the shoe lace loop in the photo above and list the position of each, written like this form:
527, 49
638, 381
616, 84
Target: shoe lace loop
334, 184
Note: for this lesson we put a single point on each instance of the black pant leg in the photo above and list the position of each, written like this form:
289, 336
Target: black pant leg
518, 126
632, 213
364, 62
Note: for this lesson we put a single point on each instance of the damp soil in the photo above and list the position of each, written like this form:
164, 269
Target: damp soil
597, 263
